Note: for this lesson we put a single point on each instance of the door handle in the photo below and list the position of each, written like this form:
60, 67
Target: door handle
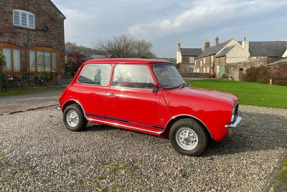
110, 94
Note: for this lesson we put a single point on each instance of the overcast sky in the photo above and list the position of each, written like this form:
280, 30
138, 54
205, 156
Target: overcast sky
165, 22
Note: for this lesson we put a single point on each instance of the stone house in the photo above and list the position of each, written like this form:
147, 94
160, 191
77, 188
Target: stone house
213, 60
231, 58
32, 38
186, 58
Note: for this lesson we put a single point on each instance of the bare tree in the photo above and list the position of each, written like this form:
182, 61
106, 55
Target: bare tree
126, 46
143, 49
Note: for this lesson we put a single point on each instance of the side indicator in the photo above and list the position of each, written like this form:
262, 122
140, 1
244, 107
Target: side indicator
60, 98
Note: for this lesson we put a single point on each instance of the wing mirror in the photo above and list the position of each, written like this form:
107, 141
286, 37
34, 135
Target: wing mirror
154, 88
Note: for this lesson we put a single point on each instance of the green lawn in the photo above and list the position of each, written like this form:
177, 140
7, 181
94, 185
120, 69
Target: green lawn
249, 93
280, 183
26, 90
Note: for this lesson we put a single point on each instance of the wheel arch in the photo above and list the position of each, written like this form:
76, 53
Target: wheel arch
174, 119
71, 102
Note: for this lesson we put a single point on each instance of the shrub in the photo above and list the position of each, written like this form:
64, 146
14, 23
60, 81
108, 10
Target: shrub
3, 78
263, 74
251, 75
279, 75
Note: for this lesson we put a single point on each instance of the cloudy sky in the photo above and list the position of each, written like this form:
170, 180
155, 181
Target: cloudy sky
165, 22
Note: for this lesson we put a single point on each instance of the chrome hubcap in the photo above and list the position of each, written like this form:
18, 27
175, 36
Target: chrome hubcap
186, 138
72, 118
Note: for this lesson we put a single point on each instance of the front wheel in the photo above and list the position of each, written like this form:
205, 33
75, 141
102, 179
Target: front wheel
74, 118
188, 137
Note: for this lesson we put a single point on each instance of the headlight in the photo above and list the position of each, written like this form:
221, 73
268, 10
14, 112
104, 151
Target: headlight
234, 113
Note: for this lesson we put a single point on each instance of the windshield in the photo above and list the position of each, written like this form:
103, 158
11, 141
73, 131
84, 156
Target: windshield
168, 76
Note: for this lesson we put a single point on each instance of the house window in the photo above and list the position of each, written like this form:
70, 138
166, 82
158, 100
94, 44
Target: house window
212, 58
191, 60
43, 59
12, 55
207, 69
195, 62
200, 63
204, 70
204, 60
217, 69
23, 18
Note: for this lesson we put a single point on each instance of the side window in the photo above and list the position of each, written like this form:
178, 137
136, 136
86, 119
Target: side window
96, 74
135, 76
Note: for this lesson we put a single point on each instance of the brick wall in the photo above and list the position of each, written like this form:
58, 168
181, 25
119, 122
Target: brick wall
207, 66
46, 14
218, 63
186, 64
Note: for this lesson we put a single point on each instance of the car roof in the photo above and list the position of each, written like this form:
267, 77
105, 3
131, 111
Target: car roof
126, 61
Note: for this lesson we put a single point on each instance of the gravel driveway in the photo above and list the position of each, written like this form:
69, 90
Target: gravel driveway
37, 153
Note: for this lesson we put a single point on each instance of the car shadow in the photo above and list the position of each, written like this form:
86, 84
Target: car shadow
254, 133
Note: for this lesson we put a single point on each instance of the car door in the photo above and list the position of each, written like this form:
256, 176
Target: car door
130, 99
91, 88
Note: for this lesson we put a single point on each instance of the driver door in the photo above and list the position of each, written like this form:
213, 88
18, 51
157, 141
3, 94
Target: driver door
130, 99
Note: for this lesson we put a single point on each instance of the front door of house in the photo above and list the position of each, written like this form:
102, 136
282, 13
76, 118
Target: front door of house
222, 70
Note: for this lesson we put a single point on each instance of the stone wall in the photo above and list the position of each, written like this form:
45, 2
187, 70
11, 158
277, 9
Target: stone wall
235, 70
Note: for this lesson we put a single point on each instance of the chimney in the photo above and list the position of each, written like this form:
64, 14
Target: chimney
207, 45
216, 40
245, 45
178, 54
178, 46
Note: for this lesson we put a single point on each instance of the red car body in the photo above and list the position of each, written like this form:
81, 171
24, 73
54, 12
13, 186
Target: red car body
152, 112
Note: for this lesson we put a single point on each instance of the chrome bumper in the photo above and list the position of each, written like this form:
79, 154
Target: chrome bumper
231, 127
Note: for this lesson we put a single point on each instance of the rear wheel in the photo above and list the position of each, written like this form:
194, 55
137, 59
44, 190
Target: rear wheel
74, 118
188, 137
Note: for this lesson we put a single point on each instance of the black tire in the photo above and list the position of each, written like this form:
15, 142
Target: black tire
80, 120
196, 142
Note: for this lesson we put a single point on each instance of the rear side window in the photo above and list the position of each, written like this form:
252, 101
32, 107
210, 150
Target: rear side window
135, 76
95, 74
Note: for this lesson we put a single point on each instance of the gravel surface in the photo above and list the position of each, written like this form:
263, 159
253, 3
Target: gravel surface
37, 153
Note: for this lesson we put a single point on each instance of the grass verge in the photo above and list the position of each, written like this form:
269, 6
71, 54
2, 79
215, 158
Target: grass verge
280, 183
249, 93
27, 90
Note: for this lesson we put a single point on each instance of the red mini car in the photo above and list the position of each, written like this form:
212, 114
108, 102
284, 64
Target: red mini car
148, 96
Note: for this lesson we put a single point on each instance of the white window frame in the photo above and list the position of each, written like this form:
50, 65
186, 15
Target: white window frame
27, 19
200, 63
191, 59
204, 60
212, 58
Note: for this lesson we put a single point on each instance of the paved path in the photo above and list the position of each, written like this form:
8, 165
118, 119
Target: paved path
12, 104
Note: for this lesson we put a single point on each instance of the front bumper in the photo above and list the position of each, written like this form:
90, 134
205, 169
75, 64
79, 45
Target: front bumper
231, 127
